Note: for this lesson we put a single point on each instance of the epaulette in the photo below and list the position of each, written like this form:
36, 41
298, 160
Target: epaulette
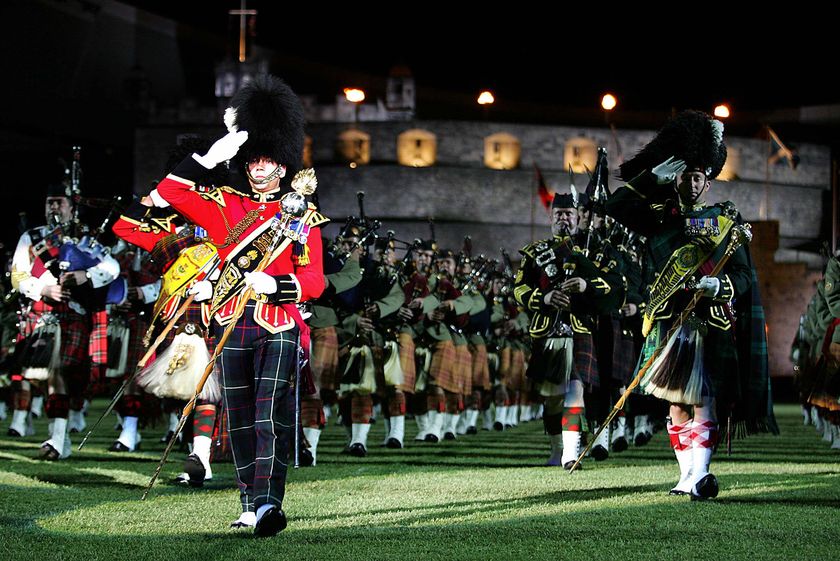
215, 194
315, 217
531, 249
164, 223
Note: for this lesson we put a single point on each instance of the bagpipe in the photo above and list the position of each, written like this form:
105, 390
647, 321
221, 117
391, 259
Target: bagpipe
64, 247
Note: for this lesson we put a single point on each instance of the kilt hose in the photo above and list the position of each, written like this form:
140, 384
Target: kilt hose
257, 368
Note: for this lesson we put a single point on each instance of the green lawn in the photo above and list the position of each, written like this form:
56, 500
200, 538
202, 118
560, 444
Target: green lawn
481, 497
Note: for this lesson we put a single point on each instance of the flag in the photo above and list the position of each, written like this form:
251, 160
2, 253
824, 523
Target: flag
546, 195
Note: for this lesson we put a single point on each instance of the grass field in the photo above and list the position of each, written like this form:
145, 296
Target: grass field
481, 497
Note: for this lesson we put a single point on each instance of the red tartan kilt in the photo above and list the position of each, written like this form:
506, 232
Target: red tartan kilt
75, 336
463, 368
324, 358
586, 365
406, 345
480, 368
442, 372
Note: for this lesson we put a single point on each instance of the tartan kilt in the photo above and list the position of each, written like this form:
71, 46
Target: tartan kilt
517, 366
480, 368
75, 339
97, 336
136, 333
624, 358
324, 358
504, 372
405, 342
443, 372
586, 365
75, 331
463, 368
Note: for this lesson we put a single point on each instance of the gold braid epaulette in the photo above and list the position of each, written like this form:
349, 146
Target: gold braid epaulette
315, 218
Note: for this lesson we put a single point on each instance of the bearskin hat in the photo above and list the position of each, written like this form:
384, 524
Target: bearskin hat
692, 136
272, 114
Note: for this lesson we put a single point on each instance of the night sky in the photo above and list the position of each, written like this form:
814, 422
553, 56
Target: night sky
757, 63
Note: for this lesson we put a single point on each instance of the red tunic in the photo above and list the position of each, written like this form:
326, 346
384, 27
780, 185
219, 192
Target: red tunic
220, 211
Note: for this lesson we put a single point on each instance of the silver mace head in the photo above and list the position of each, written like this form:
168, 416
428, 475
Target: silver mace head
294, 204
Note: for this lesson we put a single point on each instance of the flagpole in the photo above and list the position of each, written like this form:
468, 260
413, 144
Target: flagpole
533, 212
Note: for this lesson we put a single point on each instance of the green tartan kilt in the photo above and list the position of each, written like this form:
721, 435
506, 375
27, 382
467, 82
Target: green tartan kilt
720, 360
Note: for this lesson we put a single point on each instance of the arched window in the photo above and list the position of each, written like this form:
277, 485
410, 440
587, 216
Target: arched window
353, 147
416, 148
580, 153
502, 151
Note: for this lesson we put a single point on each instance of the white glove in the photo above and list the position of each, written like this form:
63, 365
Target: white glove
709, 285
667, 171
230, 119
222, 150
203, 290
157, 200
262, 283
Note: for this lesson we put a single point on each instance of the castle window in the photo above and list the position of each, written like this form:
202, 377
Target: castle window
502, 151
581, 154
353, 147
416, 148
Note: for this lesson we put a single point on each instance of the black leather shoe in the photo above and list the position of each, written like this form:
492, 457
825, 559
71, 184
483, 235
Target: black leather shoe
431, 438
642, 438
356, 449
118, 446
619, 444
13, 433
472, 430
48, 453
393, 443
195, 469
498, 426
272, 523
568, 465
599, 453
449, 436
706, 488
305, 459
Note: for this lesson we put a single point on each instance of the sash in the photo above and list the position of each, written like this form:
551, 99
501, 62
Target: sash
247, 255
683, 263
